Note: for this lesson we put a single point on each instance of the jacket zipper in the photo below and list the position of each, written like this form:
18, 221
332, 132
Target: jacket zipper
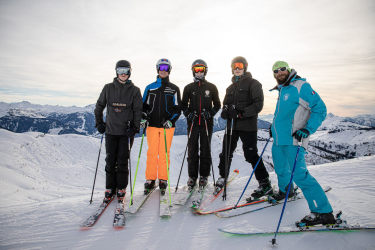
200, 102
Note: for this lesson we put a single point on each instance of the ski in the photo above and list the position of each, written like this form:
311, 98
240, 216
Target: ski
234, 212
96, 215
164, 210
211, 198
139, 202
119, 219
186, 195
198, 197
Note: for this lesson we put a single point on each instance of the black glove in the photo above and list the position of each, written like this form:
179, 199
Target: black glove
270, 131
192, 116
145, 116
232, 113
206, 115
130, 132
101, 128
302, 133
224, 112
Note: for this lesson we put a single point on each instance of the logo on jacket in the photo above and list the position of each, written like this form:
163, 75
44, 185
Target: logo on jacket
193, 93
313, 93
207, 93
286, 97
117, 110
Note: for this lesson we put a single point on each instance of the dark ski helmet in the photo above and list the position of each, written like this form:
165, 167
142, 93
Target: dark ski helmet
239, 59
124, 63
199, 62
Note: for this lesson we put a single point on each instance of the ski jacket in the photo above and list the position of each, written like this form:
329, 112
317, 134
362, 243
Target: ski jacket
199, 96
245, 94
298, 106
123, 102
162, 101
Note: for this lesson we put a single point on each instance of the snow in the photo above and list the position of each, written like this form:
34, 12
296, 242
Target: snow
46, 183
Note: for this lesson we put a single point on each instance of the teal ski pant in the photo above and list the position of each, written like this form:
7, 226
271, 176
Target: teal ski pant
284, 157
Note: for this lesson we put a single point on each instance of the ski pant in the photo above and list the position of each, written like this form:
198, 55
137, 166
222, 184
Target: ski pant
156, 164
284, 157
116, 167
199, 162
250, 149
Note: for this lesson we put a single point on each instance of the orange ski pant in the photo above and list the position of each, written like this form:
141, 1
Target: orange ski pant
156, 165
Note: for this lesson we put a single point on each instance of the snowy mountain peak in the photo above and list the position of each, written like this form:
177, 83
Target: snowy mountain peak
29, 112
330, 115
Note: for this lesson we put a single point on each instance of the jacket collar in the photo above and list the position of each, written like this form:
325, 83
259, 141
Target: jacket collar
117, 84
240, 79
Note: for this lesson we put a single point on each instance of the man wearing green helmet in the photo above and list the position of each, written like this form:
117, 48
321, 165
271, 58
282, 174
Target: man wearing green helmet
299, 112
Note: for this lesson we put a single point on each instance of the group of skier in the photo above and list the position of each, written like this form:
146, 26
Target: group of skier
299, 112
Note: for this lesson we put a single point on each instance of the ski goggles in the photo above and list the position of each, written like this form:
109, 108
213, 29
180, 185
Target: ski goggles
123, 70
282, 69
238, 65
198, 69
164, 67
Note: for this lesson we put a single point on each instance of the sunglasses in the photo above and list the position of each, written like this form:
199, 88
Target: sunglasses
282, 69
123, 70
199, 69
238, 65
164, 67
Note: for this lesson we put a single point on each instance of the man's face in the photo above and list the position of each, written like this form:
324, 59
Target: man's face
238, 72
281, 76
163, 74
123, 77
199, 74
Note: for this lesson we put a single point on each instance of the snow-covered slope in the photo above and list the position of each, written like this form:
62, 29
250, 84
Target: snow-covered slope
46, 183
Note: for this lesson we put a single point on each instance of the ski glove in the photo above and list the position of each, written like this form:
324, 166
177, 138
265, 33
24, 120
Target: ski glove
101, 128
144, 123
302, 133
192, 116
270, 131
224, 112
145, 116
234, 113
130, 132
168, 124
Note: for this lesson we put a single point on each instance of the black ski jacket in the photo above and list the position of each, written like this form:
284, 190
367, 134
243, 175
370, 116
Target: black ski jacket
199, 96
123, 102
246, 94
162, 101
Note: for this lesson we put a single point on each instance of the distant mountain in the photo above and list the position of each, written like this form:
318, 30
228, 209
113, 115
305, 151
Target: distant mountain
24, 117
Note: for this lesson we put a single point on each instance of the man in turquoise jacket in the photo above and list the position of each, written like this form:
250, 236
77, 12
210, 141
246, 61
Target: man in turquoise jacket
299, 112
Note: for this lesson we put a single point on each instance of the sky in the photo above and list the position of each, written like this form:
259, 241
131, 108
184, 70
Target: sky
64, 52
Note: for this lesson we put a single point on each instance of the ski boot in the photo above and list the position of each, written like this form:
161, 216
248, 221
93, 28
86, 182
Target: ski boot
163, 184
203, 180
150, 184
219, 185
264, 189
280, 195
317, 219
191, 183
121, 194
108, 195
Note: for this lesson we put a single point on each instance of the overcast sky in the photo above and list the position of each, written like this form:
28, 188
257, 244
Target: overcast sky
63, 52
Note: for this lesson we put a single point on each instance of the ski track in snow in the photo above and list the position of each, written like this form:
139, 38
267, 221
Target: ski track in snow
46, 186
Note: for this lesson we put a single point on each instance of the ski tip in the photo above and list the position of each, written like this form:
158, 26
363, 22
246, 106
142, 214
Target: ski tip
236, 170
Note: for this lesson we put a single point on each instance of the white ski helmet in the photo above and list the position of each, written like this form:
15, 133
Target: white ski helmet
164, 61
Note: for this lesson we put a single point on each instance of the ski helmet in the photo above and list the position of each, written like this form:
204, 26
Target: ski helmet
164, 61
123, 63
239, 59
199, 62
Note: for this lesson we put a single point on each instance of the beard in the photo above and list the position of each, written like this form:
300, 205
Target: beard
281, 82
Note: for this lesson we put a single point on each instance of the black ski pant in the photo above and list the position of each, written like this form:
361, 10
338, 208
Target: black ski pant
199, 161
116, 168
250, 149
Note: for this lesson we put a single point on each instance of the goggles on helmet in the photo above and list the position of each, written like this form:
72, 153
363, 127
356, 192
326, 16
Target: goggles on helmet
281, 69
198, 69
123, 70
164, 67
238, 65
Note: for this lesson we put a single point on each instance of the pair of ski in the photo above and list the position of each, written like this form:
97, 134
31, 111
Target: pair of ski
118, 220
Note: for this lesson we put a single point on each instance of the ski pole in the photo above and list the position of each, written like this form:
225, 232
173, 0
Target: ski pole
260, 157
209, 145
130, 163
228, 160
273, 241
136, 170
166, 158
191, 129
96, 171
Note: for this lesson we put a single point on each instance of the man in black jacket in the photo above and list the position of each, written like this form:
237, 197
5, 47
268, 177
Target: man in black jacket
200, 103
124, 112
242, 103
161, 110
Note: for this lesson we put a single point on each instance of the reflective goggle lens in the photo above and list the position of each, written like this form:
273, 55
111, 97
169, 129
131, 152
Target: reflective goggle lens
123, 70
238, 65
164, 67
199, 69
281, 69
